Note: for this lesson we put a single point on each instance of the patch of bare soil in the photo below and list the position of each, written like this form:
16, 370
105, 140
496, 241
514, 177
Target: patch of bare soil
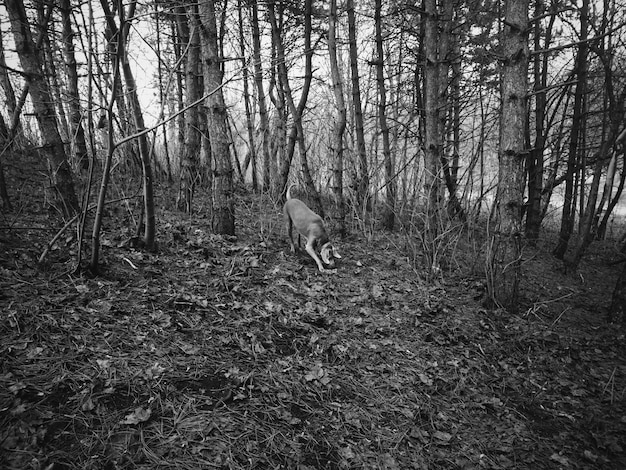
234, 353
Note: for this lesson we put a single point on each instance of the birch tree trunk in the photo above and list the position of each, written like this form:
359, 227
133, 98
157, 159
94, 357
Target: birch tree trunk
61, 177
505, 263
217, 120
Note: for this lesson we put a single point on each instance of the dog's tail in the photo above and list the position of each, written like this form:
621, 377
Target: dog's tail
289, 190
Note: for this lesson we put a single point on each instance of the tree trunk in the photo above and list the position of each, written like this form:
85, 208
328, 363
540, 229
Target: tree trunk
617, 310
504, 266
258, 80
390, 184
568, 213
432, 139
189, 29
363, 183
535, 163
9, 96
340, 121
222, 189
131, 92
296, 133
443, 104
615, 199
60, 172
251, 156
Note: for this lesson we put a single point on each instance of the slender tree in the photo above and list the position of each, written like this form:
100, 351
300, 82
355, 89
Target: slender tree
188, 25
261, 98
340, 120
390, 184
251, 156
131, 91
568, 213
363, 183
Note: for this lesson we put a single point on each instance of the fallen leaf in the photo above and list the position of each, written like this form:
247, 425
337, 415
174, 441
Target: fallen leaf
140, 415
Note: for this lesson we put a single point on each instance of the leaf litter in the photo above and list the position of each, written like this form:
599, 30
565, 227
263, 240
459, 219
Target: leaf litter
232, 353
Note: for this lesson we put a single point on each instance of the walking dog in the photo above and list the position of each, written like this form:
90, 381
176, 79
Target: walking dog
310, 226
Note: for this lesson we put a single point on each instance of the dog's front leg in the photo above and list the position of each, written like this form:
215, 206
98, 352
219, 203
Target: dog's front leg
311, 251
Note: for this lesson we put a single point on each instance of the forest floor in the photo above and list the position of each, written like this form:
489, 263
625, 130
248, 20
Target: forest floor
232, 353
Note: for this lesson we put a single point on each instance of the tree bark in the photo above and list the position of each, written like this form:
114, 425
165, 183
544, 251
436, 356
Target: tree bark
432, 138
505, 264
222, 188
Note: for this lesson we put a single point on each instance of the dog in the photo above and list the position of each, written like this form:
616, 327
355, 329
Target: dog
310, 226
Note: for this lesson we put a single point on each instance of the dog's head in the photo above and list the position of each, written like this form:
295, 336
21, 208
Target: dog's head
328, 252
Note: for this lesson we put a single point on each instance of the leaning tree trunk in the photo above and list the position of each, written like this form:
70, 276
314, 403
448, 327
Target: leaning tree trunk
390, 184
60, 172
504, 265
222, 187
